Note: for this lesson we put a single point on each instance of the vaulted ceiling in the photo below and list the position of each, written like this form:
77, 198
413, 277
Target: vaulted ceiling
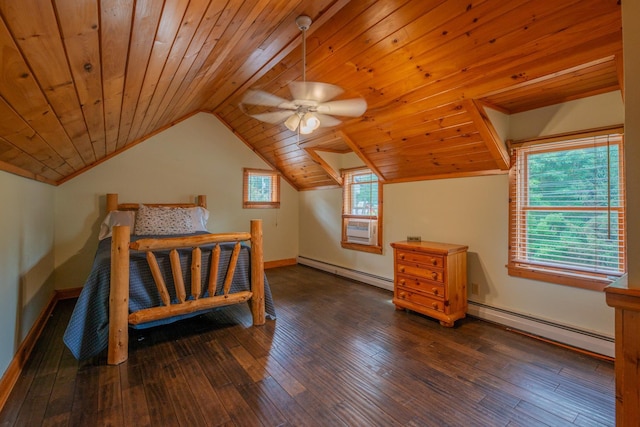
83, 80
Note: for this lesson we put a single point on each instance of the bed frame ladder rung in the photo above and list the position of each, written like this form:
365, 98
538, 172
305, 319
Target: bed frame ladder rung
232, 268
158, 279
213, 270
196, 272
178, 280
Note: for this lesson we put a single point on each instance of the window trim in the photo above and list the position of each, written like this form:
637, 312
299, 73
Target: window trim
377, 248
553, 274
248, 204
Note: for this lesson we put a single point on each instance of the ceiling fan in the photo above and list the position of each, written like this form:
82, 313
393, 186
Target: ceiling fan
311, 106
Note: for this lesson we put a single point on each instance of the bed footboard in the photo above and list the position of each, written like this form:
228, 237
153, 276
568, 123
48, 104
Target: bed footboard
119, 317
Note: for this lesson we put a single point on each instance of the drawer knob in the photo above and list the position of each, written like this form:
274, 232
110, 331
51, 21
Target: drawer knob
434, 275
402, 295
435, 291
401, 269
402, 281
401, 256
435, 305
434, 261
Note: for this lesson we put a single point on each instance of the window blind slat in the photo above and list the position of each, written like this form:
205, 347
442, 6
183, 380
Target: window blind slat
567, 201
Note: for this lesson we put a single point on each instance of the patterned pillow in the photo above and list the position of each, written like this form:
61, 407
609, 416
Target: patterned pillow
162, 221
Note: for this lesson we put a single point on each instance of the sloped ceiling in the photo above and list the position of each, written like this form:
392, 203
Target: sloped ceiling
83, 80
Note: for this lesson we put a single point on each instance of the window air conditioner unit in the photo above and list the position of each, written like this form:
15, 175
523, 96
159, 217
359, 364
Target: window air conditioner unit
362, 231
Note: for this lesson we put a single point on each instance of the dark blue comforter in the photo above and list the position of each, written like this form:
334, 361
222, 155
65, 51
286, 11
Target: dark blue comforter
87, 333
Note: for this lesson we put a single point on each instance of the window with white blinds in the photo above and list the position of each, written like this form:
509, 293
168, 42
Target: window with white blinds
567, 211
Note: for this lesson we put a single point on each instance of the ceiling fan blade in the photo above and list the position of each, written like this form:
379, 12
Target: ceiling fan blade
314, 91
327, 121
346, 107
273, 117
260, 97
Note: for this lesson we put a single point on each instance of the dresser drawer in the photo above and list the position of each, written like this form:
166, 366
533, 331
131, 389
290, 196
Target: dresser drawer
406, 294
421, 272
417, 284
426, 259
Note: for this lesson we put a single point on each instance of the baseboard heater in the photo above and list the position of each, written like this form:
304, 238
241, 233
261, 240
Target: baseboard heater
368, 278
570, 336
563, 334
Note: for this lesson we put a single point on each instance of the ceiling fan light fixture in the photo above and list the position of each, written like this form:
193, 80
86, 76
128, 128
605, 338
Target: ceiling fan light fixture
309, 123
312, 105
292, 122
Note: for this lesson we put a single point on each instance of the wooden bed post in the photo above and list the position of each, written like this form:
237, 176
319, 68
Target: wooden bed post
202, 201
257, 273
112, 202
119, 297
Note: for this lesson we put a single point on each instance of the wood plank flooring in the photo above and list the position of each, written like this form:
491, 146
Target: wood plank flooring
339, 354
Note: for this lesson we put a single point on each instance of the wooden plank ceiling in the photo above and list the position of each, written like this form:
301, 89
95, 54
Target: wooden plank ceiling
82, 80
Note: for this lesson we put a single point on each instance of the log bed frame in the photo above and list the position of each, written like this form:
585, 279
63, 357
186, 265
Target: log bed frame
119, 316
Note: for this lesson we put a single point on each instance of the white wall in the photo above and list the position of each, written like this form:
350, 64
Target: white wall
26, 258
587, 113
197, 156
473, 212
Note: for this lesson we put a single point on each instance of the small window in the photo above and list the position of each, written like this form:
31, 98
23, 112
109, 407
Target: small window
361, 213
261, 189
567, 211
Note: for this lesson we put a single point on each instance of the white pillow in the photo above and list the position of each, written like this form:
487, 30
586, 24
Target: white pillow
170, 221
199, 218
116, 218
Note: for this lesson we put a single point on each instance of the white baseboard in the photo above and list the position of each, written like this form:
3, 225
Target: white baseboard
570, 336
369, 279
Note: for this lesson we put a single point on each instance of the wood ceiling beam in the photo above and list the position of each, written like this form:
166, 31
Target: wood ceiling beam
550, 76
466, 174
354, 147
496, 147
312, 151
324, 165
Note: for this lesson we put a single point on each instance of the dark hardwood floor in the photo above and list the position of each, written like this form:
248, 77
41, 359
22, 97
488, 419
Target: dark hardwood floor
338, 354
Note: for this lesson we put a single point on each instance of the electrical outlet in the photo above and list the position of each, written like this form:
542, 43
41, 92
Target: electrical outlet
413, 238
474, 289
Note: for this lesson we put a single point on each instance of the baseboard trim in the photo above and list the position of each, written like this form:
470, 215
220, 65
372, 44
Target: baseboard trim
280, 263
370, 279
564, 335
10, 377
67, 293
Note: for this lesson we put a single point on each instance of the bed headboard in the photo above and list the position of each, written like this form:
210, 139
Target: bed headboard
113, 205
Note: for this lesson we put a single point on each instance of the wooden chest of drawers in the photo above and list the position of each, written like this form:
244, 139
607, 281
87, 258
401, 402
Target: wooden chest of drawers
431, 278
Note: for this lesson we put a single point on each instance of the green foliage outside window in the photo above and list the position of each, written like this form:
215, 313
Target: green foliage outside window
573, 207
364, 194
260, 188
